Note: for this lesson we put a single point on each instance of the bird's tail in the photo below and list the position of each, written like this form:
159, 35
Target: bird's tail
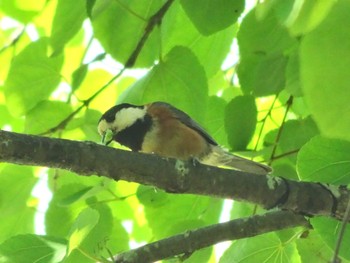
220, 157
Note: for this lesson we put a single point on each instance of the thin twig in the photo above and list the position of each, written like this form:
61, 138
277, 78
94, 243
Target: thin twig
153, 21
289, 104
264, 121
341, 234
285, 154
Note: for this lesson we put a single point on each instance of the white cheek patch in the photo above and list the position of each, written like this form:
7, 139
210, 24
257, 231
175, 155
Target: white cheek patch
103, 126
127, 117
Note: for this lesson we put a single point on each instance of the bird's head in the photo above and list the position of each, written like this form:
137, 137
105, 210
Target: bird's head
119, 118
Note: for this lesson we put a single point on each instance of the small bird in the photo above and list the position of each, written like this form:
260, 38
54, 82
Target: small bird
162, 129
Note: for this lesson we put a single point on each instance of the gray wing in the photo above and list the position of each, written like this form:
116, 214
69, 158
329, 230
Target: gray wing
188, 121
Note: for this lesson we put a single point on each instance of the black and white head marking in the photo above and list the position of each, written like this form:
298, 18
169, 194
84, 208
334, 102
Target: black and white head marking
127, 123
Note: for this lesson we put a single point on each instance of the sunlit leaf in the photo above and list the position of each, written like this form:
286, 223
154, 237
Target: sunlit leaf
324, 63
240, 121
67, 22
32, 77
328, 229
119, 26
325, 160
263, 248
46, 115
173, 80
210, 16
32, 248
83, 225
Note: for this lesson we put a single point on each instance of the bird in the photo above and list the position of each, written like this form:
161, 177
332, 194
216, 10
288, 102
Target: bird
162, 129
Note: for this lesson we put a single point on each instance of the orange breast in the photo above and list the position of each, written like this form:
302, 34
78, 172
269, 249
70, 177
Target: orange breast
172, 138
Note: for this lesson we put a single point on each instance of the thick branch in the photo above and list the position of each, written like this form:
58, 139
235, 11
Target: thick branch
197, 239
87, 158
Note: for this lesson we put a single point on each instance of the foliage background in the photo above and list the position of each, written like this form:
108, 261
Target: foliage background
286, 101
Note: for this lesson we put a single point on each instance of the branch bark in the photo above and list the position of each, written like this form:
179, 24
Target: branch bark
191, 241
87, 158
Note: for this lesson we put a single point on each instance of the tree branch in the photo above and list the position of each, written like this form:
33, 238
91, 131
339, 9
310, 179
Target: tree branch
87, 158
200, 238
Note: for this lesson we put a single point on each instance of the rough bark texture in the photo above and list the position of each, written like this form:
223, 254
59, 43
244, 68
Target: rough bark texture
87, 158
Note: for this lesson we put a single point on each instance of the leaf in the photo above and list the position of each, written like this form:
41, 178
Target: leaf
32, 78
16, 184
324, 63
263, 59
293, 85
325, 160
78, 76
303, 19
181, 212
313, 249
328, 229
23, 11
211, 51
67, 22
210, 16
59, 219
270, 74
149, 196
215, 120
46, 115
174, 80
295, 134
240, 121
81, 228
32, 248
263, 248
81, 195
120, 26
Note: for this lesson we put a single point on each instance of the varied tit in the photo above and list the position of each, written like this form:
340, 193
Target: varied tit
167, 131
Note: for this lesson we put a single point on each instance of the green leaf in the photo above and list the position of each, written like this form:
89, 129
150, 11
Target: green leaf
46, 115
262, 74
304, 18
78, 76
264, 36
295, 134
312, 248
58, 218
210, 16
120, 25
174, 80
240, 121
211, 51
32, 248
17, 209
81, 228
328, 229
202, 255
67, 22
183, 212
149, 196
263, 248
325, 61
293, 85
81, 195
32, 78
23, 11
263, 59
325, 160
215, 120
